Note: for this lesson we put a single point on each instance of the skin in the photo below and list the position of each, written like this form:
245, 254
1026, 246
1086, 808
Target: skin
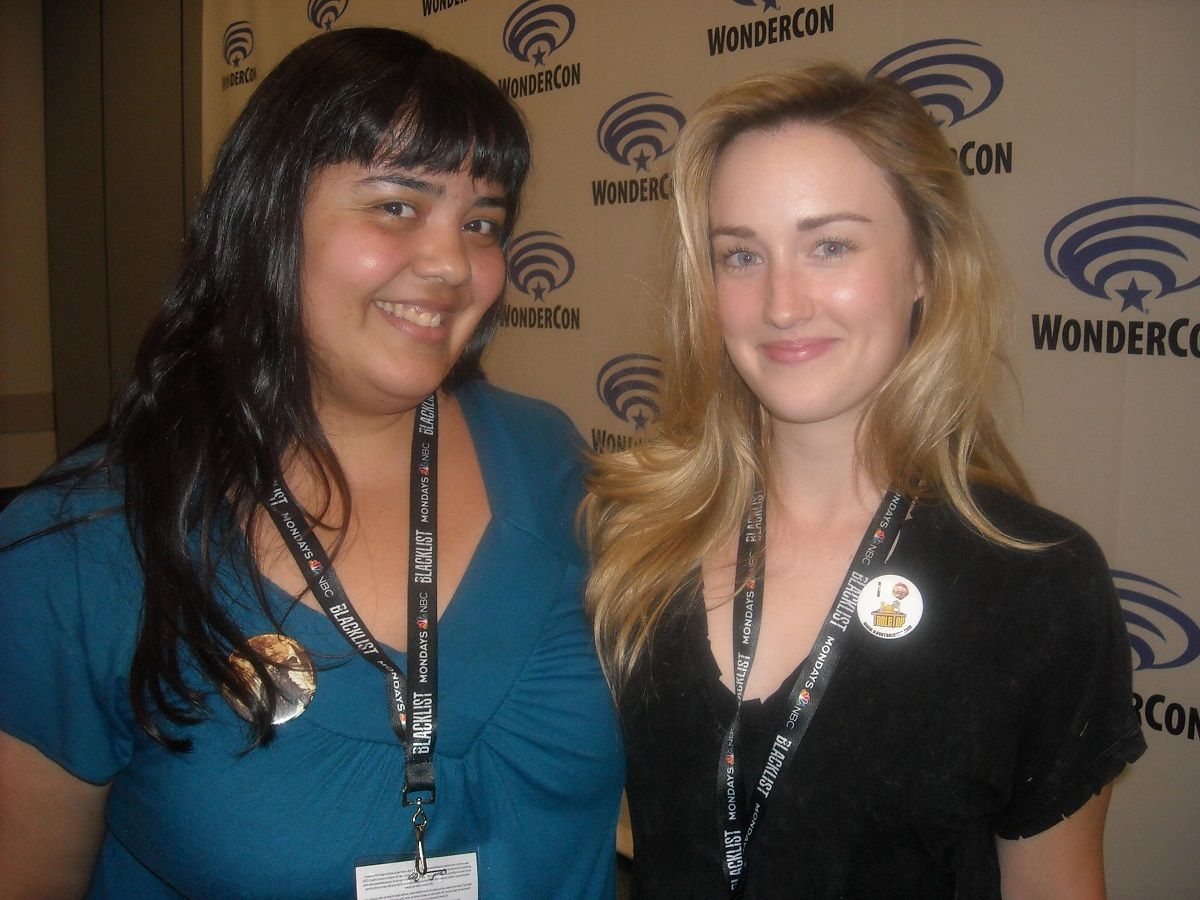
816, 278
428, 242
429, 245
51, 825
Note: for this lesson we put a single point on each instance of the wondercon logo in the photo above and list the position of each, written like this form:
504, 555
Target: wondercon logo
629, 386
536, 29
952, 82
238, 42
1161, 635
1135, 248
538, 264
639, 129
325, 13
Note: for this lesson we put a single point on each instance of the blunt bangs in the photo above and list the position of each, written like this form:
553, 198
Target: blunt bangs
411, 106
455, 118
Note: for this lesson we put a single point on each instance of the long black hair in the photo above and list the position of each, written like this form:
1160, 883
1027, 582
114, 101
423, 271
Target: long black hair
221, 389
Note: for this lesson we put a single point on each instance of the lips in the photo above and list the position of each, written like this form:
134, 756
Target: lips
797, 351
412, 313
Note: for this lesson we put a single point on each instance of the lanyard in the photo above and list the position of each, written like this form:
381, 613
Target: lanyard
737, 827
412, 701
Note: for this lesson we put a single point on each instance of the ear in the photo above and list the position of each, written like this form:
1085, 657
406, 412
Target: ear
919, 282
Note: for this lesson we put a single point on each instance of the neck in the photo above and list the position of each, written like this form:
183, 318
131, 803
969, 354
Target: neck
371, 449
814, 476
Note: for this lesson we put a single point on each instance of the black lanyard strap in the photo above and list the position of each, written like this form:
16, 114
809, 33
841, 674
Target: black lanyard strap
418, 693
737, 825
422, 603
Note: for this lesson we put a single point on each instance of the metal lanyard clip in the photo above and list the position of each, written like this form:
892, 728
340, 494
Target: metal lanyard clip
420, 821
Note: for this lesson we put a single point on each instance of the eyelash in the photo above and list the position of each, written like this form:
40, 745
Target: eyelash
727, 259
494, 228
399, 208
395, 208
845, 246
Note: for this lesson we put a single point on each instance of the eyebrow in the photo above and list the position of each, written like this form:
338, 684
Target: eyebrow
808, 223
395, 179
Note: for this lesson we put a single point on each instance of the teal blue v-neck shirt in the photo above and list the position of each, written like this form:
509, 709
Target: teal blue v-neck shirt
528, 756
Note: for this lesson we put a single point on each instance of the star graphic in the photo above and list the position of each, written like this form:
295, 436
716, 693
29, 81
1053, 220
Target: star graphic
1133, 296
770, 4
639, 421
539, 56
539, 292
642, 160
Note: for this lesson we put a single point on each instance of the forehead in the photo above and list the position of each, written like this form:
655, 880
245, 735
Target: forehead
350, 176
798, 163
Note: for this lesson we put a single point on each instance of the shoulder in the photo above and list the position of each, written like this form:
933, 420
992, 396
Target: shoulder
1063, 573
532, 459
537, 426
529, 434
1059, 537
76, 496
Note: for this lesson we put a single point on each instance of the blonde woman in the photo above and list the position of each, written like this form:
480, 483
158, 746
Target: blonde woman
852, 658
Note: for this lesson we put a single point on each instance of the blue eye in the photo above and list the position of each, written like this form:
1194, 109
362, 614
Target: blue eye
738, 258
833, 248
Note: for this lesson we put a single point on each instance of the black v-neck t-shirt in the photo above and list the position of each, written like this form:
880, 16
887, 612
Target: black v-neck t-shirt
1005, 709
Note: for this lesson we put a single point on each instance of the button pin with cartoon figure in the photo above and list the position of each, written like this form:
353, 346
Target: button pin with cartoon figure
890, 606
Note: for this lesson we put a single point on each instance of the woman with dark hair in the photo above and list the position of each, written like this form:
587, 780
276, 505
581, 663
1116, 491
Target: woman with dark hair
199, 693
852, 658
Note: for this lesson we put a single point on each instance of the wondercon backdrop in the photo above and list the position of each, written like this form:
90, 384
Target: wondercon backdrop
1077, 126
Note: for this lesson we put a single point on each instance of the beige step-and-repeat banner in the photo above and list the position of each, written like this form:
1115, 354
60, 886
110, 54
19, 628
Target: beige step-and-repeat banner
1077, 124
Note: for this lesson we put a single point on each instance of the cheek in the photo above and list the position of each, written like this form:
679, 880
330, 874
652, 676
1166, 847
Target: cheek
346, 261
736, 308
488, 272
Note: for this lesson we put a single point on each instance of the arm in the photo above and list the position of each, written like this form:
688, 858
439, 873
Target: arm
51, 825
1065, 862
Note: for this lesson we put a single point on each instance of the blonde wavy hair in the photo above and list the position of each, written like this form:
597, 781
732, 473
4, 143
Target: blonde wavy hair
654, 512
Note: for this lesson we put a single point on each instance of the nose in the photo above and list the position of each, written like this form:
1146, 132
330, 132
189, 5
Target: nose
789, 297
443, 255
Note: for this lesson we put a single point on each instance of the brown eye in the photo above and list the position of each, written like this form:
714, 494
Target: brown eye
398, 209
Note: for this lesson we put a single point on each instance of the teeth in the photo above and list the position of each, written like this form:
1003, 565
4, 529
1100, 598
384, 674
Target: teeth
413, 314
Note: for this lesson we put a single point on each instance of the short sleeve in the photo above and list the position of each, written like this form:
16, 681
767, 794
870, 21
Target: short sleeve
68, 622
1080, 729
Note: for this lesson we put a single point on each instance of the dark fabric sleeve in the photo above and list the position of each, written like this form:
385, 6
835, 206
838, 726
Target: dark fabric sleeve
1080, 726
